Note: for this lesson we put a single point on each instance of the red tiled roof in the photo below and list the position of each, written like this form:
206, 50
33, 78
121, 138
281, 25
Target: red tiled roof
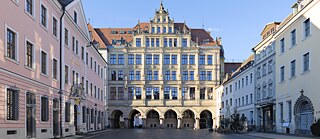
96, 37
107, 36
230, 67
200, 35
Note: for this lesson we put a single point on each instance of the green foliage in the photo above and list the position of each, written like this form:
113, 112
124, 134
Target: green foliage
315, 128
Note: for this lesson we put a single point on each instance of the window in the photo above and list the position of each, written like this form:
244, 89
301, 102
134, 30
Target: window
167, 75
164, 30
82, 53
251, 78
191, 60
165, 42
43, 62
138, 59
270, 65
175, 42
192, 93
67, 112
113, 75
166, 59
120, 75
120, 93
131, 75
184, 59
191, 75
270, 87
66, 36
87, 87
44, 109
264, 69
138, 77
184, 92
138, 93
95, 66
91, 61
166, 93
152, 42
185, 75
29, 54
158, 30
202, 59
54, 27
247, 80
113, 59
155, 75
91, 89
293, 37
293, 68
209, 76
289, 111
12, 104
174, 75
149, 75
282, 46
202, 93
66, 74
306, 25
113, 92
138, 42
230, 102
75, 17
55, 69
130, 93
174, 93
251, 99
153, 29
157, 42
258, 73
98, 69
184, 42
149, 59
202, 75
247, 99
282, 73
130, 59
148, 93
209, 59
77, 46
156, 93
306, 62
156, 59
170, 30
170, 42
29, 7
121, 59
12, 43
174, 59
43, 16
281, 112
147, 42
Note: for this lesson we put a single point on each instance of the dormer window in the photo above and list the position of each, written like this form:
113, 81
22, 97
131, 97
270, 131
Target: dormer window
113, 32
122, 32
75, 17
164, 20
158, 20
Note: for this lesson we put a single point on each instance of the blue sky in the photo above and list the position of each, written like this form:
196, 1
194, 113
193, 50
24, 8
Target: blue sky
238, 22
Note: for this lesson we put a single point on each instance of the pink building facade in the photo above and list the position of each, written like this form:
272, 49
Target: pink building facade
51, 76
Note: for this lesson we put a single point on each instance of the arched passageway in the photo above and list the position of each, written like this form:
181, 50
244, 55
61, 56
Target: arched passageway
206, 119
188, 119
116, 119
153, 120
304, 115
170, 119
135, 119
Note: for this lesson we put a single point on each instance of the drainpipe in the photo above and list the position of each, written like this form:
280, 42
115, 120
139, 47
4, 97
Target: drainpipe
61, 84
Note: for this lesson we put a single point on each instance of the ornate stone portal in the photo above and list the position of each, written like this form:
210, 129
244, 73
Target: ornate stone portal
304, 114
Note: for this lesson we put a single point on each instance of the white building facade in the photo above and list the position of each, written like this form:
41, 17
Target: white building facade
297, 69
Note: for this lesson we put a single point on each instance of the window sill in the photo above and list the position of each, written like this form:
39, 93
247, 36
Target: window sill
292, 77
282, 82
12, 60
305, 72
15, 2
55, 37
30, 68
293, 46
45, 28
306, 37
30, 15
45, 75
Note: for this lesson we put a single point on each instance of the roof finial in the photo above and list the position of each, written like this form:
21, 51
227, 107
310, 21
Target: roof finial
161, 6
89, 20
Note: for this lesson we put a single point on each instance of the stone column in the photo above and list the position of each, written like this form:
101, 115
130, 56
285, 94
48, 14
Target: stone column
197, 126
179, 123
126, 123
161, 122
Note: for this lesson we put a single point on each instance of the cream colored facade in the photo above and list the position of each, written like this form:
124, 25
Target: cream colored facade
157, 88
297, 69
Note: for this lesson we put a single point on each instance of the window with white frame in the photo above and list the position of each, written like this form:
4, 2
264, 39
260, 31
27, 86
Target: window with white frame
306, 64
12, 44
191, 59
174, 59
131, 75
293, 68
307, 29
191, 73
55, 69
120, 75
282, 73
54, 27
185, 75
156, 59
43, 17
131, 59
174, 75
44, 109
12, 99
149, 59
67, 111
29, 55
155, 75
66, 74
121, 59
282, 45
43, 62
138, 76
113, 59
174, 93
75, 17
30, 7
148, 93
66, 36
149, 75
138, 59
293, 37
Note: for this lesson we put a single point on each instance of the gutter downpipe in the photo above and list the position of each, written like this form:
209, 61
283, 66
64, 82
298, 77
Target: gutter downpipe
61, 91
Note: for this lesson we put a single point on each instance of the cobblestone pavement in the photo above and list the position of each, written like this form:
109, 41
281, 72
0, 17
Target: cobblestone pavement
160, 134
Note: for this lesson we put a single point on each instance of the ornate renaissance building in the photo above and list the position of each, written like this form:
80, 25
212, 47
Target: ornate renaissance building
161, 74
